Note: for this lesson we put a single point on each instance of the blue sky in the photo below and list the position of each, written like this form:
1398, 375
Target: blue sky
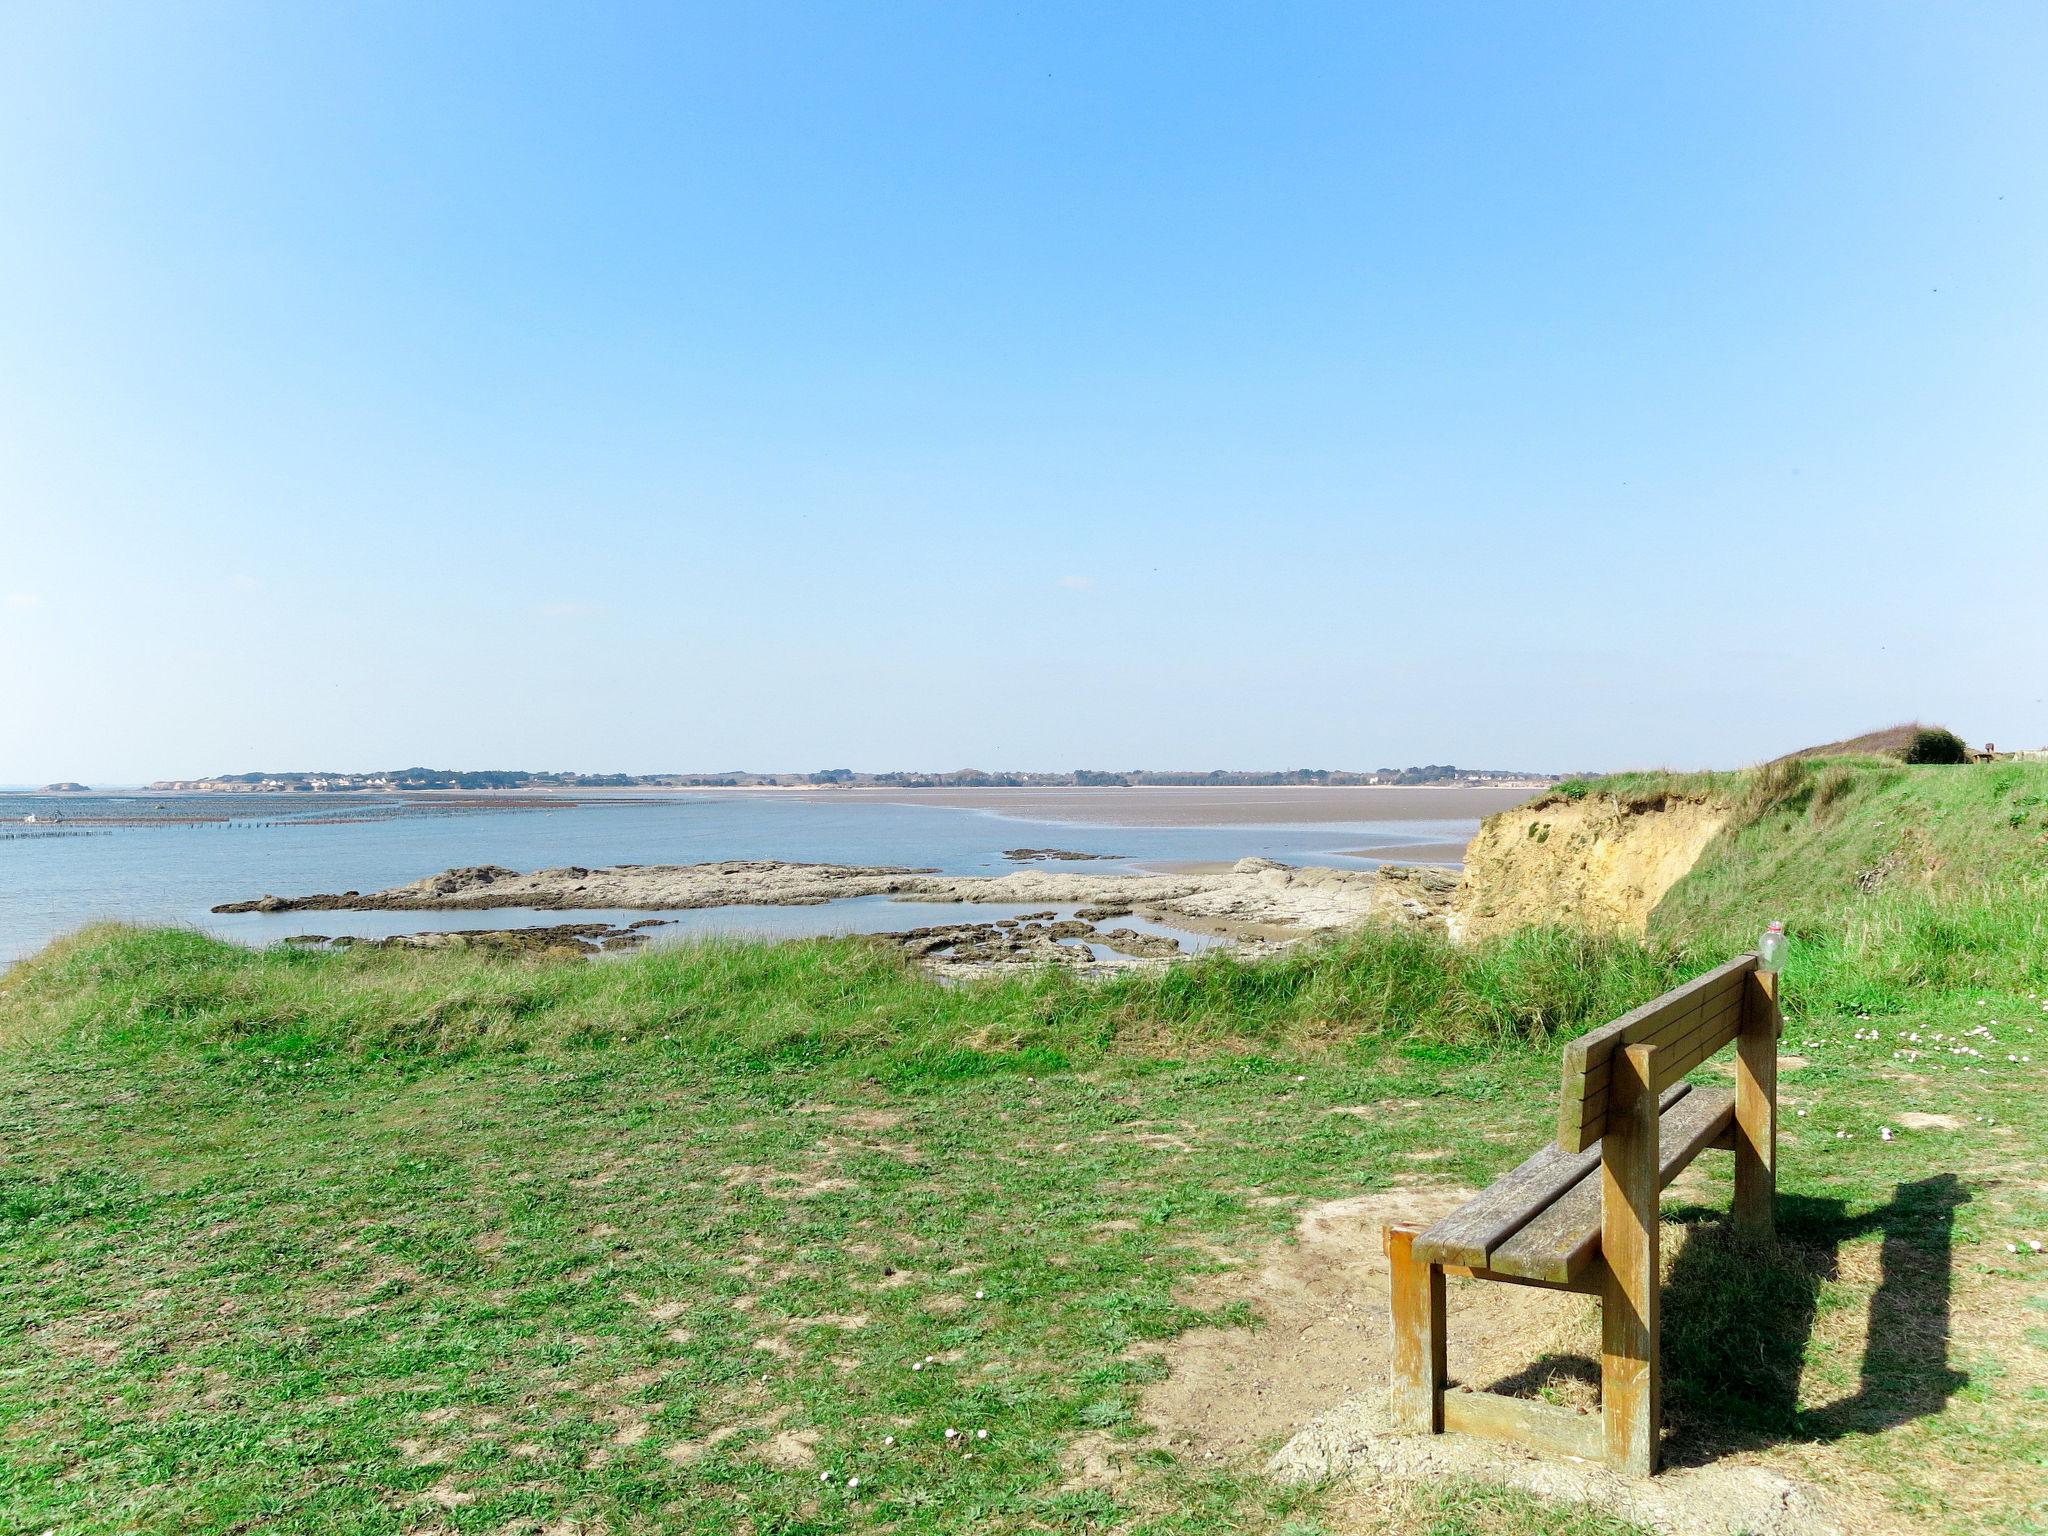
782, 386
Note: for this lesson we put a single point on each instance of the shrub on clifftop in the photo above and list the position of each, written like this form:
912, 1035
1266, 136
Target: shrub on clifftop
1933, 745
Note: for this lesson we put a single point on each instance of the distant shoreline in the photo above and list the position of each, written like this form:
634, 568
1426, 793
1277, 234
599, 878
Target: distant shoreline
1146, 805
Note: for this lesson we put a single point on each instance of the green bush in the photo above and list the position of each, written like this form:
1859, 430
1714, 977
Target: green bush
1933, 745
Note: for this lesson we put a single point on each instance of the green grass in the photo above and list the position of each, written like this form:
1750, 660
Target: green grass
813, 1001
1892, 880
365, 1241
379, 1242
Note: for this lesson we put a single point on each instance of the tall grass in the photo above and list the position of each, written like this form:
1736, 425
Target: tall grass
139, 989
1891, 879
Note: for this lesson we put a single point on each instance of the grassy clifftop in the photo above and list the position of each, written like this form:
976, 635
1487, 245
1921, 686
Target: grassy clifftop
1888, 877
1836, 840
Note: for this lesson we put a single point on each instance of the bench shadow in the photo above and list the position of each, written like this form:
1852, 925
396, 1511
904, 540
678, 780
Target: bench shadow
1551, 1373
1738, 1316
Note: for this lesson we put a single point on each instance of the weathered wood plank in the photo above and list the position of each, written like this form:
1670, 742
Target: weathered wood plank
1504, 1207
1558, 1244
1508, 1204
1634, 1028
1756, 1109
1668, 1030
1630, 1404
1544, 1426
1703, 1034
1420, 1359
1714, 1030
1591, 1281
1678, 1017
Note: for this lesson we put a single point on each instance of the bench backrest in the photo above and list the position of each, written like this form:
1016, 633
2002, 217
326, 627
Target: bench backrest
1687, 1025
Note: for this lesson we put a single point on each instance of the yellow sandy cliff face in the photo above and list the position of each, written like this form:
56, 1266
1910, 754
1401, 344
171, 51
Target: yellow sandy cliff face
1594, 862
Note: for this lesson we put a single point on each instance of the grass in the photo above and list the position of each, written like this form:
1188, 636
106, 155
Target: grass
813, 1001
371, 1241
380, 1242
1892, 879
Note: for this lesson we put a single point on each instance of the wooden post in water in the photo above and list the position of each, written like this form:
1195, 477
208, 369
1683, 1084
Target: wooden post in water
1630, 1400
1756, 1108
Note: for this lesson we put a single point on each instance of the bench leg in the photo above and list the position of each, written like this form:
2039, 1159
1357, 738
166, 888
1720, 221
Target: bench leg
1629, 1388
1756, 1109
1417, 1303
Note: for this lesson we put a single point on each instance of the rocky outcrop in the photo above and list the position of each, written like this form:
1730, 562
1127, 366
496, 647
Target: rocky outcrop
1053, 855
1254, 897
1597, 862
1024, 942
560, 939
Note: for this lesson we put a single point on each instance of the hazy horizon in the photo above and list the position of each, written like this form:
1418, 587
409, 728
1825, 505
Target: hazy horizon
992, 768
653, 386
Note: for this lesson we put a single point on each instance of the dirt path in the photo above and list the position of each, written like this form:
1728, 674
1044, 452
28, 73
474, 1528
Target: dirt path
1306, 1391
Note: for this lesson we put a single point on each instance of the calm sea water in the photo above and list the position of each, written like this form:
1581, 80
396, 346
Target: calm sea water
52, 882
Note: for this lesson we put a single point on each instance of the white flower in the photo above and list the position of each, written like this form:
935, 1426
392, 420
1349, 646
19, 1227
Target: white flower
824, 1477
917, 1365
982, 1434
2034, 1244
2012, 1247
853, 1482
952, 1434
981, 1295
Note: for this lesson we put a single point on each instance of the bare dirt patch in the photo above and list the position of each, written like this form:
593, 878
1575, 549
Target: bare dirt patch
1322, 1301
1916, 1120
871, 1119
1312, 1381
791, 1448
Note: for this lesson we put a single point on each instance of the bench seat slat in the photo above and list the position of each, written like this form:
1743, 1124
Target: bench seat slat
1511, 1202
1558, 1243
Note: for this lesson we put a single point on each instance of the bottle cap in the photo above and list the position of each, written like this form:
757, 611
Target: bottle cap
1775, 928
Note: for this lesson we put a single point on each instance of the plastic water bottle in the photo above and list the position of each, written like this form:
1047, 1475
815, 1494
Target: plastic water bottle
1770, 950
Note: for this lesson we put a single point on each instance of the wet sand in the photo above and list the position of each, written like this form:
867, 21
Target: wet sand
1204, 806
1412, 853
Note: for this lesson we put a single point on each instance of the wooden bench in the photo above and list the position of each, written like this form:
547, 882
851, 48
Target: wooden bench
1581, 1215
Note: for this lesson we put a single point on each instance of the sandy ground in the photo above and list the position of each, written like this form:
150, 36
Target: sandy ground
1312, 1378
1162, 806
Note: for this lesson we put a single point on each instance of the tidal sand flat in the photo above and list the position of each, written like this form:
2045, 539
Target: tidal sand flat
1253, 897
1154, 805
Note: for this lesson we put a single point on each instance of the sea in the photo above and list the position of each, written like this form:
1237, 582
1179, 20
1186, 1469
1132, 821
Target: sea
67, 861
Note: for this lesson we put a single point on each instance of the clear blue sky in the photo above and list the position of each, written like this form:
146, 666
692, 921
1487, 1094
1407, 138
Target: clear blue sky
883, 385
